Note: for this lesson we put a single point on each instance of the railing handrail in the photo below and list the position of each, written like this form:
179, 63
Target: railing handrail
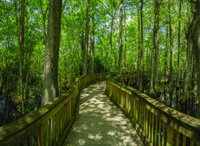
19, 132
185, 119
177, 120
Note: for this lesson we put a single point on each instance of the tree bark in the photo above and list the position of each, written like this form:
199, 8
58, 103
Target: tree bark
178, 92
125, 40
50, 81
86, 38
155, 50
120, 35
43, 13
166, 63
82, 44
140, 46
171, 56
92, 52
21, 29
111, 41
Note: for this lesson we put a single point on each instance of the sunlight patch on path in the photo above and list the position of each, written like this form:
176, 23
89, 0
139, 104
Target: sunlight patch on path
100, 122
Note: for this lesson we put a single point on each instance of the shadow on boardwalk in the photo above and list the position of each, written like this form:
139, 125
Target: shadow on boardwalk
100, 122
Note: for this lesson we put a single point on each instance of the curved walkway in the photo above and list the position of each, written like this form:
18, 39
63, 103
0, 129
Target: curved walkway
100, 122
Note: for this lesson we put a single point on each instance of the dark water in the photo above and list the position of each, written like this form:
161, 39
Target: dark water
2, 106
7, 112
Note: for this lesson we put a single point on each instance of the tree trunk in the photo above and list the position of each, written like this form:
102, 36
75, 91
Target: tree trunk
155, 50
166, 64
92, 46
86, 38
125, 40
50, 81
171, 73
111, 41
120, 35
43, 13
140, 47
178, 91
21, 27
82, 44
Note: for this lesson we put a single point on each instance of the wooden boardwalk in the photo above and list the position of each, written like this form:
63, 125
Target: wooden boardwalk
100, 122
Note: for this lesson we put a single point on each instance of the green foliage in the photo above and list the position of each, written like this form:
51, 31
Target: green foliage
73, 27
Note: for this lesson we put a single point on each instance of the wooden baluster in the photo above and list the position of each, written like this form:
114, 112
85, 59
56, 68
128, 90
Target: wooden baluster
153, 127
132, 108
42, 131
165, 133
126, 101
146, 123
192, 142
170, 136
50, 131
184, 140
57, 127
150, 125
144, 120
133, 100
137, 106
137, 111
38, 136
128, 104
141, 116
160, 132
25, 142
177, 138
156, 130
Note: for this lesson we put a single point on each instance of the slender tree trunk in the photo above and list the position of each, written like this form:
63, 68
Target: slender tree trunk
50, 81
125, 41
21, 30
120, 35
178, 91
142, 44
82, 44
111, 33
4, 85
171, 56
86, 38
155, 50
140, 47
111, 41
92, 46
43, 13
166, 63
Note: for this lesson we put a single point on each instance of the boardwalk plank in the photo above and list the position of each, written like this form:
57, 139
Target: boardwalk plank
100, 122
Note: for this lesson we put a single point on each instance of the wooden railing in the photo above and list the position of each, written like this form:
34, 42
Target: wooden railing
49, 125
157, 124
